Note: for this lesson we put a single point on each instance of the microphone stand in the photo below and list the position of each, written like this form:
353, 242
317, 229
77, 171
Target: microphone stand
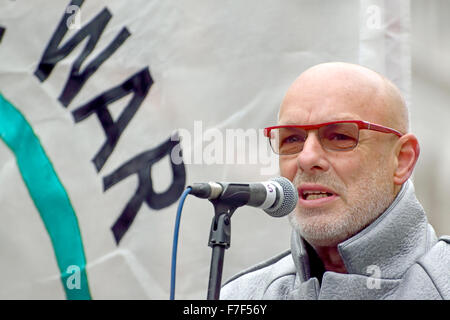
220, 236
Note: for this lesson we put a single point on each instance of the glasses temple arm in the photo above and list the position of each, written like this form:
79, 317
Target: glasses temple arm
376, 127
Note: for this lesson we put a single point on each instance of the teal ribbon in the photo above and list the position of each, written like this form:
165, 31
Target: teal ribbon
50, 199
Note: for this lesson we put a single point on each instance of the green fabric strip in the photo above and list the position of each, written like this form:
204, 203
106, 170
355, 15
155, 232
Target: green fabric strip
50, 199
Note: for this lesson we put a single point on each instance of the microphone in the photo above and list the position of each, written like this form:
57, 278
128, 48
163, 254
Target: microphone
277, 197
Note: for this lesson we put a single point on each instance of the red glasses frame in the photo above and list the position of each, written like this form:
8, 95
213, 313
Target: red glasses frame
361, 125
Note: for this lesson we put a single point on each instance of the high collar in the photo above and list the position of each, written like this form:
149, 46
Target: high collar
393, 242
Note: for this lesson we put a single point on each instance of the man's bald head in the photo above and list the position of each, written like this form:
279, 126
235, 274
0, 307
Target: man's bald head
343, 191
377, 96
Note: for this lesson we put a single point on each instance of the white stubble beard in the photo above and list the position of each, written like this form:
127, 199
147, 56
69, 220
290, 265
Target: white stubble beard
319, 227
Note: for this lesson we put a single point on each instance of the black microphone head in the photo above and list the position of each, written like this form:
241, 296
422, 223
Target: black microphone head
288, 199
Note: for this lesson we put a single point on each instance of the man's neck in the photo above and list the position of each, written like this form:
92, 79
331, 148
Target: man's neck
331, 258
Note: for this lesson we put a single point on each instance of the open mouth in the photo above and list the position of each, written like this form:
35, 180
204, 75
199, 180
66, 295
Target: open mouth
314, 195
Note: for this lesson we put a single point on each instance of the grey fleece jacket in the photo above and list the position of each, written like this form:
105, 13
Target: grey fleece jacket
398, 256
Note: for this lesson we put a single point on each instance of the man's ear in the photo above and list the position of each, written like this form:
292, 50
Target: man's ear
407, 152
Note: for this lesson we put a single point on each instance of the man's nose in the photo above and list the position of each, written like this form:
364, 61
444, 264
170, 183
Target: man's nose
312, 157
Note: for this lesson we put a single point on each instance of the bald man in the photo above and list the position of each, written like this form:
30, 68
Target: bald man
358, 230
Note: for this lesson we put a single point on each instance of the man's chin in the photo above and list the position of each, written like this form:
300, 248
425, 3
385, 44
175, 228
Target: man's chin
320, 229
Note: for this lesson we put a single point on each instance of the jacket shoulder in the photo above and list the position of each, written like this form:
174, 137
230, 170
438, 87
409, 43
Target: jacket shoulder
436, 263
252, 283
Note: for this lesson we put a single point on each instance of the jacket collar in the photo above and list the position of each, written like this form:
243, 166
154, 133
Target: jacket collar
391, 244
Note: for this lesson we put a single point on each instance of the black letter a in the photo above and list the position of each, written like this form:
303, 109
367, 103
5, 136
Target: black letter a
139, 84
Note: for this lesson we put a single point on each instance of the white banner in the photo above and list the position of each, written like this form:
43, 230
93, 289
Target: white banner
94, 98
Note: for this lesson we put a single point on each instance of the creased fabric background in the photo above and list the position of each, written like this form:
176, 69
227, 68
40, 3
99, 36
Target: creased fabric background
214, 67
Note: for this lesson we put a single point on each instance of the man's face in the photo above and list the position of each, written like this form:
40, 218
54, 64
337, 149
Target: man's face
360, 181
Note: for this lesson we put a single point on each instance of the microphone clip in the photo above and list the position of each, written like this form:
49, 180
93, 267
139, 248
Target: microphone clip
220, 234
224, 207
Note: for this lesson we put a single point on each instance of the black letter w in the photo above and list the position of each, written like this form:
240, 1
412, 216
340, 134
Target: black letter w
55, 53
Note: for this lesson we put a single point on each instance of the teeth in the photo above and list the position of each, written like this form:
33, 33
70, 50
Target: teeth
312, 195
316, 196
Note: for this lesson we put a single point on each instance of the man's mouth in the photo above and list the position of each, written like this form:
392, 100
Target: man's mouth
314, 195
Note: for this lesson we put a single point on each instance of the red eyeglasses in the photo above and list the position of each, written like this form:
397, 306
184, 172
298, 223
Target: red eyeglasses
337, 135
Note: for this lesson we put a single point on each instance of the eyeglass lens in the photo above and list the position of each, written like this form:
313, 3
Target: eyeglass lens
336, 136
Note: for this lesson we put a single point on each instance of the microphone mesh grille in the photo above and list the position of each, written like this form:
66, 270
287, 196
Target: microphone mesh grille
289, 201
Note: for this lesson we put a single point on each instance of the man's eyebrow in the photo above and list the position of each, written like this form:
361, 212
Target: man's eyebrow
342, 117
339, 117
